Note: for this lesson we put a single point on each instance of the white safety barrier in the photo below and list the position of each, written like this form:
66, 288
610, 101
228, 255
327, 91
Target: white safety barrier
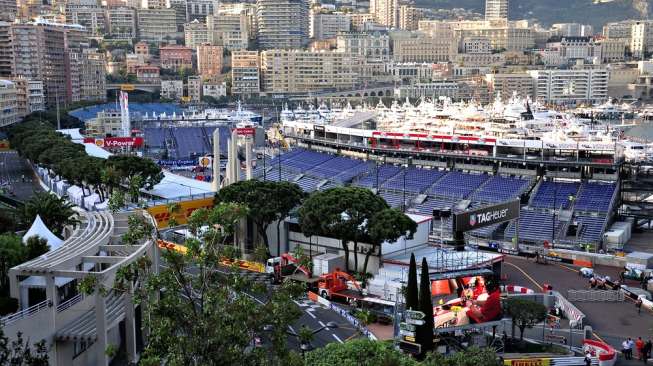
517, 289
575, 316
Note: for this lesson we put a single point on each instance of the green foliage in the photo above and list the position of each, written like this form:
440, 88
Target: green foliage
35, 247
366, 317
265, 201
139, 228
425, 332
524, 313
116, 201
412, 301
305, 335
358, 352
388, 226
472, 356
342, 213
18, 352
55, 212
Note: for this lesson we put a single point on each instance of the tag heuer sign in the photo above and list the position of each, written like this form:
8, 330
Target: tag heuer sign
412, 314
486, 216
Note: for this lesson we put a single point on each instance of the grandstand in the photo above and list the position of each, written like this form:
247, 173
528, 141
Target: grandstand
421, 190
184, 142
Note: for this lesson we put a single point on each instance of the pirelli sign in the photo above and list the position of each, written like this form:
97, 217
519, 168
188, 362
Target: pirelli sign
528, 362
486, 216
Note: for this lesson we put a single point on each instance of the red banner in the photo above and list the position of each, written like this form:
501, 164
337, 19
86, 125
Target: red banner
246, 131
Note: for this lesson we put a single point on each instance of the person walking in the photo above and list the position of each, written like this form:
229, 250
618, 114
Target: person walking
639, 344
647, 350
588, 359
638, 305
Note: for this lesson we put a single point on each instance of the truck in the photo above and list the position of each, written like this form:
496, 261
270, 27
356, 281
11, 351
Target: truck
287, 266
334, 285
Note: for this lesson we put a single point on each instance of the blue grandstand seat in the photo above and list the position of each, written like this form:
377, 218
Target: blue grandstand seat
416, 180
457, 185
499, 189
594, 197
551, 194
533, 226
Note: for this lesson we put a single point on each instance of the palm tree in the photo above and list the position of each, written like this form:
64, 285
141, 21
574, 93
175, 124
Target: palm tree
55, 212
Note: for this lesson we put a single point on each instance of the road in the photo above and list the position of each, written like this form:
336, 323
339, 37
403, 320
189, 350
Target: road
611, 321
13, 169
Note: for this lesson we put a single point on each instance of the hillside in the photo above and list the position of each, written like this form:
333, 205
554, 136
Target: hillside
559, 11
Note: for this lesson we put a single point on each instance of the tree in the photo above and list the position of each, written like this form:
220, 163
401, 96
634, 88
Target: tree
35, 247
55, 212
412, 301
202, 313
472, 356
342, 213
12, 253
425, 331
524, 313
266, 202
388, 226
19, 353
359, 352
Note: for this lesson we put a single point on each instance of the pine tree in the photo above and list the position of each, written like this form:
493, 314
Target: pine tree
411, 288
426, 306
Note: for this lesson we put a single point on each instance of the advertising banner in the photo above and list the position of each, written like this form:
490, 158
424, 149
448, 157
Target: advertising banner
486, 216
162, 216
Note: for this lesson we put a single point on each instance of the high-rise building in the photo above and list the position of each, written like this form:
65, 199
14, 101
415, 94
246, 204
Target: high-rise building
386, 12
245, 73
232, 27
578, 85
409, 17
8, 103
195, 33
496, 9
300, 71
93, 76
90, 15
154, 25
30, 96
9, 10
6, 50
328, 25
282, 23
641, 41
181, 15
209, 60
505, 85
121, 23
199, 9
194, 87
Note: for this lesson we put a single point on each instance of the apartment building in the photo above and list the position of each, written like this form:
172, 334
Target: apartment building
9, 10
641, 42
572, 30
195, 33
209, 60
612, 50
409, 17
232, 26
505, 85
386, 12
93, 76
8, 103
328, 25
6, 50
372, 46
148, 74
245, 73
572, 86
194, 87
300, 71
156, 25
282, 24
175, 57
214, 89
420, 47
121, 23
358, 20
199, 9
91, 16
30, 97
142, 49
496, 9
172, 89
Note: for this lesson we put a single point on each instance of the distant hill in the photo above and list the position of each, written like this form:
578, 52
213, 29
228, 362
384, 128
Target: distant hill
547, 12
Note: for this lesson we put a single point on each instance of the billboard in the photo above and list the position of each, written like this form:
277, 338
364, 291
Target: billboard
486, 216
115, 142
246, 131
162, 216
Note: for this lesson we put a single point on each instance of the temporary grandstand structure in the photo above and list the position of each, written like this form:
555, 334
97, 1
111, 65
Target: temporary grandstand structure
39, 229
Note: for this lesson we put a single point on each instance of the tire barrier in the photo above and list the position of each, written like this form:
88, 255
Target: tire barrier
516, 289
606, 355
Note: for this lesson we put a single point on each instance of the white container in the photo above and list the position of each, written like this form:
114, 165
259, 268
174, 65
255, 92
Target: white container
626, 226
614, 237
327, 263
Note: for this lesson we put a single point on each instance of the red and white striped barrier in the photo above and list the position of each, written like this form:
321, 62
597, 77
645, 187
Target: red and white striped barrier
516, 289
604, 352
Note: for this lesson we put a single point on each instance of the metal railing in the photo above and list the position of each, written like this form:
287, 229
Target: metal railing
595, 295
70, 302
26, 313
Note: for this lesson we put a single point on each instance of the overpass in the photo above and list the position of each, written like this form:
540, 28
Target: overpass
150, 88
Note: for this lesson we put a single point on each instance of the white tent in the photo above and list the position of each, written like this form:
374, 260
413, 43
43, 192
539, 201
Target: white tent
39, 228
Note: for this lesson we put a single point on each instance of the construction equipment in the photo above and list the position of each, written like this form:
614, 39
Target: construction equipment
335, 285
286, 266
